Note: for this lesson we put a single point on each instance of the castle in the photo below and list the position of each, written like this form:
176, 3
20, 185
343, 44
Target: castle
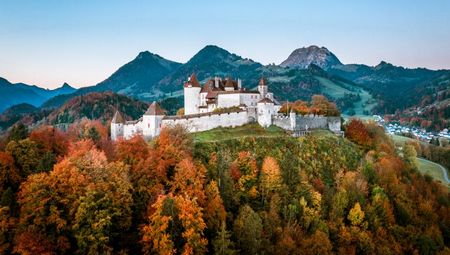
220, 103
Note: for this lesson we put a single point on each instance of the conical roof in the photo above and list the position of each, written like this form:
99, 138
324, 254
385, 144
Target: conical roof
155, 109
262, 81
117, 118
208, 86
192, 81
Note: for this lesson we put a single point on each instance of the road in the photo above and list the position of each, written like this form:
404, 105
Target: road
444, 171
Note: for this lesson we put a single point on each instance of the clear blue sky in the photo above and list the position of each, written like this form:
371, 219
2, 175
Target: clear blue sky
48, 42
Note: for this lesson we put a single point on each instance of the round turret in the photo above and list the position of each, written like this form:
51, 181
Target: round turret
192, 95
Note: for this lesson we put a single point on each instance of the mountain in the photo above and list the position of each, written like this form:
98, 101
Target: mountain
356, 88
31, 94
138, 78
302, 58
14, 113
395, 87
97, 106
286, 83
213, 61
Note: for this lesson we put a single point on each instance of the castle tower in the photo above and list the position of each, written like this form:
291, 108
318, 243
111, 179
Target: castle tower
191, 95
262, 87
265, 111
293, 119
117, 126
152, 120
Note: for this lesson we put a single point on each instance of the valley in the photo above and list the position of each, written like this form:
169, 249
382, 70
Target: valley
358, 90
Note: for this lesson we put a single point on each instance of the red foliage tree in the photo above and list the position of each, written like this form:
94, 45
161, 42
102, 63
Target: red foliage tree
356, 132
50, 139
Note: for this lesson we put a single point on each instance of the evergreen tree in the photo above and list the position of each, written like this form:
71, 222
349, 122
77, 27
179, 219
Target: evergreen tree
248, 230
18, 132
223, 244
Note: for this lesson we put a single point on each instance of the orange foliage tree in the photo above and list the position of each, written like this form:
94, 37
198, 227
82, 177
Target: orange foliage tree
189, 179
52, 205
10, 177
356, 132
215, 213
50, 139
319, 105
270, 178
185, 213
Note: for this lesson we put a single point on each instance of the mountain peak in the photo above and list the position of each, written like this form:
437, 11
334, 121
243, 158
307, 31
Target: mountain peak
384, 63
66, 86
305, 56
145, 54
213, 53
213, 50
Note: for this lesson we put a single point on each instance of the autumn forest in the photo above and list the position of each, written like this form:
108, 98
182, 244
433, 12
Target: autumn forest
77, 192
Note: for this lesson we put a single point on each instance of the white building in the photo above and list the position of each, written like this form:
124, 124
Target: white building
218, 93
219, 103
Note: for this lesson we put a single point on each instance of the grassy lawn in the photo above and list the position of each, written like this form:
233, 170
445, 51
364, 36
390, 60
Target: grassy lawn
367, 103
332, 88
425, 166
433, 170
401, 140
338, 90
398, 139
248, 130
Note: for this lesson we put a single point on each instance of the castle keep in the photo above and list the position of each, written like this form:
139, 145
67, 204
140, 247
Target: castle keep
220, 103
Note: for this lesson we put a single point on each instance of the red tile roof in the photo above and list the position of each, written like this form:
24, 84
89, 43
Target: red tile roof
192, 81
207, 87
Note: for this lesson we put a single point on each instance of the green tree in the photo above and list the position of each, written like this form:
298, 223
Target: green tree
410, 156
18, 132
222, 243
248, 230
47, 161
104, 212
94, 135
26, 155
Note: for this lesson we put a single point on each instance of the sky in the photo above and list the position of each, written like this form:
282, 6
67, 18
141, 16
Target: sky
82, 42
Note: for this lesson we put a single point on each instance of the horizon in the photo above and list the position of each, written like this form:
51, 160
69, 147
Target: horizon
82, 43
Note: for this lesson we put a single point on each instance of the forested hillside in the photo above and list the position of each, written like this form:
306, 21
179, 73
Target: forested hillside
77, 192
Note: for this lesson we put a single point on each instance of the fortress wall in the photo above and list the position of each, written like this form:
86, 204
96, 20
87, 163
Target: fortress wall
334, 124
318, 122
131, 129
282, 121
310, 122
207, 122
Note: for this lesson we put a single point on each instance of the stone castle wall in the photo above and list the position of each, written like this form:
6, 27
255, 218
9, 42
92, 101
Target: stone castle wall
207, 121
308, 122
318, 122
282, 121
